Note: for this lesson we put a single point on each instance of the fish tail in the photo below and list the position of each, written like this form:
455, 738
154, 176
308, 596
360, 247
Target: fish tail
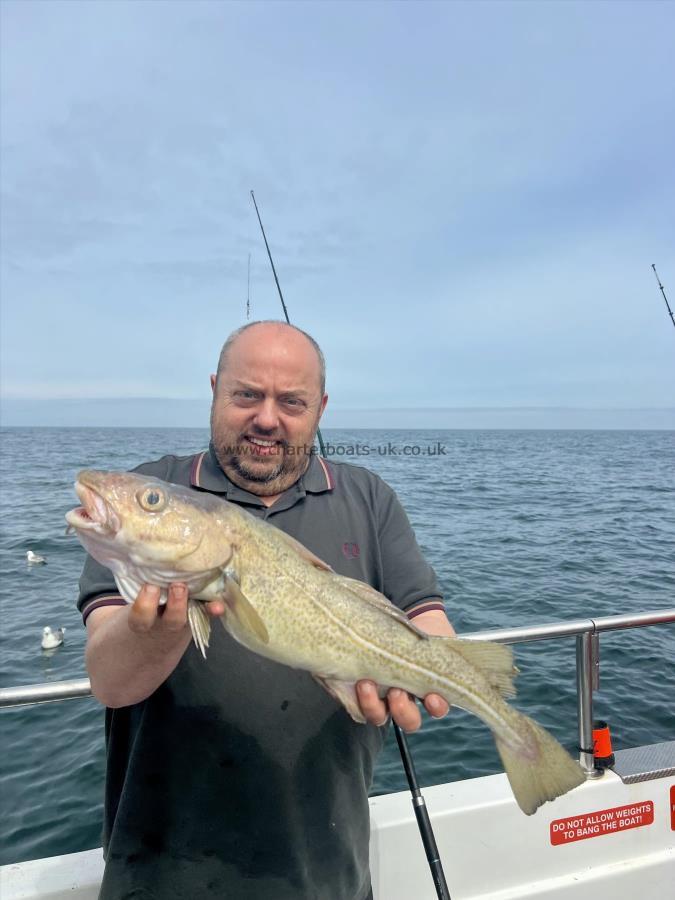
200, 625
538, 768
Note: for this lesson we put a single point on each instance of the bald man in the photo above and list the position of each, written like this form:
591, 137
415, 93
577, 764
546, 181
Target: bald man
237, 777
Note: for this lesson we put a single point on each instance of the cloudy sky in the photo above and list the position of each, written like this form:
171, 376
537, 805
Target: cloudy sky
463, 200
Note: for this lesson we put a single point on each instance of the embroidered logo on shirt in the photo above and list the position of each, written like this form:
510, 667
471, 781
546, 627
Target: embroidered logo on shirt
350, 550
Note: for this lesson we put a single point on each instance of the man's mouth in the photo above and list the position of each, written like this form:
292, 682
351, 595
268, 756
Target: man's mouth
259, 446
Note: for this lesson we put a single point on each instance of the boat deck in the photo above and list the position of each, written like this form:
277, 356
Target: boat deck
608, 838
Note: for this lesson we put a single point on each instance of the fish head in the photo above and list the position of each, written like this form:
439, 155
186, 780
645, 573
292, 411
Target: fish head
150, 524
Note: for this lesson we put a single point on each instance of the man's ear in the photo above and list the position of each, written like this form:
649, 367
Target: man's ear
213, 383
324, 401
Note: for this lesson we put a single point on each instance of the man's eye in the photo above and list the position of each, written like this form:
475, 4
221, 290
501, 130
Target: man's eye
246, 395
293, 402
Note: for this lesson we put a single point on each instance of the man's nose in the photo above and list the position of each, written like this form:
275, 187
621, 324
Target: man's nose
266, 417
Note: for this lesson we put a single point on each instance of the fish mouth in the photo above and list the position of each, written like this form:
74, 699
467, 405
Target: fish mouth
94, 514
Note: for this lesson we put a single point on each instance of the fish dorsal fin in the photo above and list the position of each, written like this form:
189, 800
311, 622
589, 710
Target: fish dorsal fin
495, 661
302, 551
243, 611
375, 598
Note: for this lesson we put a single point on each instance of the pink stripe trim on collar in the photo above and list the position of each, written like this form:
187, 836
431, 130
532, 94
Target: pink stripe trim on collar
326, 471
196, 469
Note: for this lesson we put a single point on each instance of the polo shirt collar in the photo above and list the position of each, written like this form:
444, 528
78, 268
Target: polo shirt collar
319, 476
207, 474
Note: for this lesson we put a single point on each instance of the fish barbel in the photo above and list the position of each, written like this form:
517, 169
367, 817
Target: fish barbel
287, 605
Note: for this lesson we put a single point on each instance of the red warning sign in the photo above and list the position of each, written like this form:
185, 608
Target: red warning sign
604, 821
672, 807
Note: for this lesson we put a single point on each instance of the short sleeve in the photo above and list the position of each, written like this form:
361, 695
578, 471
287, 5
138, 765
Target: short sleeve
97, 588
408, 577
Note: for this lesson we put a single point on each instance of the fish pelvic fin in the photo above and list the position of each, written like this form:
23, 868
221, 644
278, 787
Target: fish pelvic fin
200, 625
495, 661
345, 693
243, 611
540, 769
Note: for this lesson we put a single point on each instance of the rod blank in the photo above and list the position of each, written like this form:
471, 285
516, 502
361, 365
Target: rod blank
658, 281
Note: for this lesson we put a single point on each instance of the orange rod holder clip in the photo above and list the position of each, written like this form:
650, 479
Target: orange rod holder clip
602, 745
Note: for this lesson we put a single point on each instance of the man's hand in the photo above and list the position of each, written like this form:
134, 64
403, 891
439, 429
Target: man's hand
146, 616
402, 707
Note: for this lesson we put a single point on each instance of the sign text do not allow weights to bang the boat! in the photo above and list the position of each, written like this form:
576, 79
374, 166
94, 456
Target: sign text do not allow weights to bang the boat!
603, 821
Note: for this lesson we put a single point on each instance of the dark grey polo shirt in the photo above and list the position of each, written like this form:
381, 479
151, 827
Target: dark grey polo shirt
240, 778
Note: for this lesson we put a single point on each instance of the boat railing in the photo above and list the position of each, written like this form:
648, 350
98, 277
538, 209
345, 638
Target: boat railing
586, 632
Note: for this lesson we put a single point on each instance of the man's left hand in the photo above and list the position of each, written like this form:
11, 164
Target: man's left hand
398, 703
402, 707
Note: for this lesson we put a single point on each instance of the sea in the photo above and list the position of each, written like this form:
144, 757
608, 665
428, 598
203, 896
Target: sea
522, 528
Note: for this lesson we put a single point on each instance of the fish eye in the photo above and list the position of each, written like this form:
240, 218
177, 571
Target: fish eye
151, 499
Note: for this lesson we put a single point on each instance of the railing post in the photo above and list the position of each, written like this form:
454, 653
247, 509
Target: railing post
585, 673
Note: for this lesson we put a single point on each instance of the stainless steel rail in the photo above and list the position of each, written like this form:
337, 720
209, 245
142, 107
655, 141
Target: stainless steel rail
586, 631
31, 694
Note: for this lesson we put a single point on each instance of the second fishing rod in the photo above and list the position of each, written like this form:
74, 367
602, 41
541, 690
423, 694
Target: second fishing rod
419, 805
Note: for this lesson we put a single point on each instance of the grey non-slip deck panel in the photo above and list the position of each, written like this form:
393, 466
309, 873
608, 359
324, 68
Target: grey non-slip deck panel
645, 763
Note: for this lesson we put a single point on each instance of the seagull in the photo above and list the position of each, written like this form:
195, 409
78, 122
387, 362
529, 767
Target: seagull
51, 639
34, 559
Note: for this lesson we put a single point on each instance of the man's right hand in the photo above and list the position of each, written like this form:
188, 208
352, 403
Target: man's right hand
146, 616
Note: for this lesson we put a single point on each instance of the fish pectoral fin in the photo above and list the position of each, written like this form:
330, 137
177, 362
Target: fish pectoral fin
304, 552
375, 598
243, 611
495, 661
200, 625
345, 693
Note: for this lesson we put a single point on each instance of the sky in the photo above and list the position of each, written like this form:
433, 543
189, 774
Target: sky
463, 202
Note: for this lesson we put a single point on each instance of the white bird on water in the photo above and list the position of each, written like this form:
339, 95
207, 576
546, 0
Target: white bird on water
51, 639
34, 558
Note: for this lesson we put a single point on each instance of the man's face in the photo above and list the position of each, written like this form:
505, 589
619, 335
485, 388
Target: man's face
267, 403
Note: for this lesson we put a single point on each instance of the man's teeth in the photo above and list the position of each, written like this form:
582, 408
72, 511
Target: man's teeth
261, 443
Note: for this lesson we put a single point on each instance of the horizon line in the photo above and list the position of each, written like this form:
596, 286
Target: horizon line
528, 407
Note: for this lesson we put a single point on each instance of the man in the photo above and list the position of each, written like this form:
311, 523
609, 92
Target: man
235, 777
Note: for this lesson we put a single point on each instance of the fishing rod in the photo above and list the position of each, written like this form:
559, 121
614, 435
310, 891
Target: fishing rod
422, 816
274, 271
419, 806
322, 446
248, 290
670, 312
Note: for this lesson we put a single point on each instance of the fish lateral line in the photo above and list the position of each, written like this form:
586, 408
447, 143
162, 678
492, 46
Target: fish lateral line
404, 662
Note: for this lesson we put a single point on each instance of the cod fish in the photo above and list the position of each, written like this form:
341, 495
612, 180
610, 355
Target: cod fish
287, 605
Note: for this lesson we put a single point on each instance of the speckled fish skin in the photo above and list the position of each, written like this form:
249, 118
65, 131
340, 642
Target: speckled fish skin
285, 604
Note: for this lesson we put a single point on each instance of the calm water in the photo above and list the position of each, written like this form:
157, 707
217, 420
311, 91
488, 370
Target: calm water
522, 527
